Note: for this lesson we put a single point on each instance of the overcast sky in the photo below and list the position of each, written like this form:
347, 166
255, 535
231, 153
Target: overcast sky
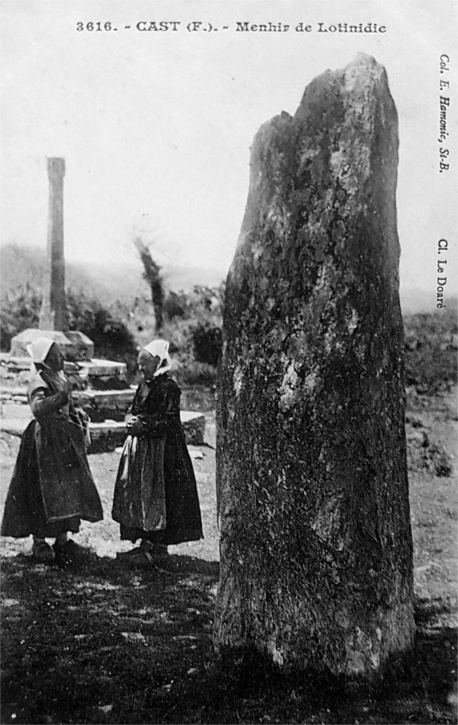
156, 127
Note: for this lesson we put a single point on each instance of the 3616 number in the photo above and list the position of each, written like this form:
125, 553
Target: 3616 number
93, 26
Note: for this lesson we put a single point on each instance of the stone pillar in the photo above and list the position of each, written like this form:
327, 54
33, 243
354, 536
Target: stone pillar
53, 322
316, 547
53, 315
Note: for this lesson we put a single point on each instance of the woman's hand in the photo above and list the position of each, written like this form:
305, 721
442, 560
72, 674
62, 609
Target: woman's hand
134, 425
82, 414
67, 389
65, 392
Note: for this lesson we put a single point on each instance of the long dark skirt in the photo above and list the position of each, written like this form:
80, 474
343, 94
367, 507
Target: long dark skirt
52, 488
156, 492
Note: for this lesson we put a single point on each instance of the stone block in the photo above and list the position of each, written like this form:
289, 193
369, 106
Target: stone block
75, 345
106, 435
194, 427
111, 434
104, 404
103, 374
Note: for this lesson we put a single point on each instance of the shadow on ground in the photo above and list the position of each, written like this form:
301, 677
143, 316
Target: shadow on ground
112, 644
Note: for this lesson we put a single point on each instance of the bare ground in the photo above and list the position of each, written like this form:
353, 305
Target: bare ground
110, 644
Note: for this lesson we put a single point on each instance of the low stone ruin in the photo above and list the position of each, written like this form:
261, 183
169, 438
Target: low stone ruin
100, 387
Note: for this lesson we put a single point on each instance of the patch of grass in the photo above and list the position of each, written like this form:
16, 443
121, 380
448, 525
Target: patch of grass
111, 645
431, 350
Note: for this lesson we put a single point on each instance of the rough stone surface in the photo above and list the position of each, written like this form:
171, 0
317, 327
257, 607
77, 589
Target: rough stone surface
316, 550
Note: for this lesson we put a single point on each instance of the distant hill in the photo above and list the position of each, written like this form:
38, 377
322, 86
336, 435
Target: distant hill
122, 282
111, 282
417, 300
184, 278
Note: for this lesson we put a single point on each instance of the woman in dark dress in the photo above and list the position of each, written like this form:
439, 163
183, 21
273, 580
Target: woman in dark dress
155, 497
52, 488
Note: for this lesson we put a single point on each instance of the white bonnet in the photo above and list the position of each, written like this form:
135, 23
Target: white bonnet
39, 349
160, 349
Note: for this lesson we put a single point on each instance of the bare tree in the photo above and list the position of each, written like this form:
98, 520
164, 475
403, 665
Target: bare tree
152, 274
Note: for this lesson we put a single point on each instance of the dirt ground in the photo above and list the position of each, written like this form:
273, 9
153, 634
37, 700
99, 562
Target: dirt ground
112, 644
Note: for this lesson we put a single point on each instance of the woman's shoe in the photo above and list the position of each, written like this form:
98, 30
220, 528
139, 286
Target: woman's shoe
158, 551
43, 552
128, 554
141, 557
71, 553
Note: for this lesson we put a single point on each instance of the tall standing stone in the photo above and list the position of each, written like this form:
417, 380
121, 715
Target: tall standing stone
53, 315
316, 549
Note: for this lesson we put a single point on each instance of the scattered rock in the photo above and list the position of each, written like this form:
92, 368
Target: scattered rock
424, 454
105, 708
